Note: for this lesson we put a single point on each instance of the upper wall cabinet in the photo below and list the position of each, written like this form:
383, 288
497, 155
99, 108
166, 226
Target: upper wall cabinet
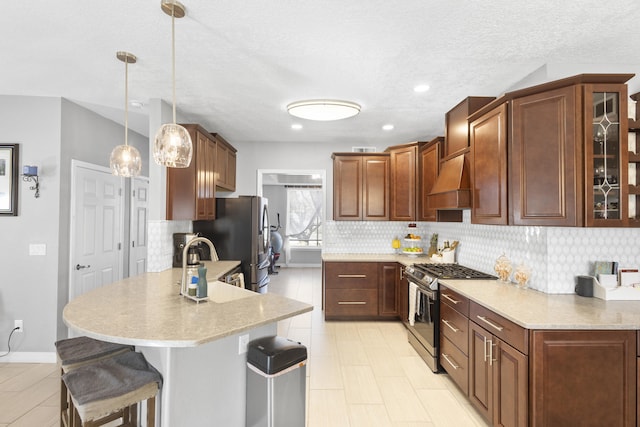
488, 136
428, 167
561, 147
191, 191
361, 186
225, 164
456, 137
403, 183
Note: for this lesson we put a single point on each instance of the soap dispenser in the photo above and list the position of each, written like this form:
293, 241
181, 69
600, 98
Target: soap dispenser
202, 290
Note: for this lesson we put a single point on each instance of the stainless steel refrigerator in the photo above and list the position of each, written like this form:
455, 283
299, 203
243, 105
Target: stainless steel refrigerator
241, 232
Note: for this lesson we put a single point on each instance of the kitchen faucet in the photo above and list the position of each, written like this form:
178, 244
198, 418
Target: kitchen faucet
213, 253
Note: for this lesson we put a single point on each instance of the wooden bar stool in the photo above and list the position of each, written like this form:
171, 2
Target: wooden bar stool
111, 389
79, 351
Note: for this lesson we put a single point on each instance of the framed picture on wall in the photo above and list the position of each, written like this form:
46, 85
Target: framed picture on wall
9, 179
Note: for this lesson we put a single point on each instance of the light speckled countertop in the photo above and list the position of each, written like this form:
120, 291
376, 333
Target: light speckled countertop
536, 310
147, 310
528, 308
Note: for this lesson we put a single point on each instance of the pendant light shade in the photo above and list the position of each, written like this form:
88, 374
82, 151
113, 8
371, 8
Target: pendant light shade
125, 160
172, 146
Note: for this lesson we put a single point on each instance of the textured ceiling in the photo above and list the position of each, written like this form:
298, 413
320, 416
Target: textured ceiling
239, 63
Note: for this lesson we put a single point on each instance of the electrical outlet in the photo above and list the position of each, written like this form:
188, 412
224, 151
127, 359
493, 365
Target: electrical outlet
243, 344
18, 324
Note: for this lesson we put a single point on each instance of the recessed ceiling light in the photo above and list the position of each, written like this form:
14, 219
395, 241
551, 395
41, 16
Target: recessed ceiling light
296, 126
136, 104
387, 127
323, 109
421, 88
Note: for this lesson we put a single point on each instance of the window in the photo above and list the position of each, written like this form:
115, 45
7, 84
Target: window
304, 216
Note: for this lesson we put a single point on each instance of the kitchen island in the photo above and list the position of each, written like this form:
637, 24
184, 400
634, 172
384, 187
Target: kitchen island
198, 347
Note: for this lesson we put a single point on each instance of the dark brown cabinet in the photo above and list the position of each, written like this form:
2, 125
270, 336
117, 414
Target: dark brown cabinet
598, 378
225, 164
428, 167
489, 191
191, 191
360, 186
403, 185
498, 369
457, 126
361, 290
388, 289
546, 152
454, 337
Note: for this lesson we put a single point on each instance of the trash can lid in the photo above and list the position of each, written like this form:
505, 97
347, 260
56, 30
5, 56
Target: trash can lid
274, 354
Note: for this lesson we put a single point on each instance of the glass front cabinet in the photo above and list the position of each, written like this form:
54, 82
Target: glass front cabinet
607, 156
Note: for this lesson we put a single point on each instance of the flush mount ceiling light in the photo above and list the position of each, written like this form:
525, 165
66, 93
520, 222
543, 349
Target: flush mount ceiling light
323, 109
421, 88
172, 146
125, 160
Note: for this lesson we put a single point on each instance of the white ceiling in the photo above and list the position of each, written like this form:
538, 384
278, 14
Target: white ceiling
239, 63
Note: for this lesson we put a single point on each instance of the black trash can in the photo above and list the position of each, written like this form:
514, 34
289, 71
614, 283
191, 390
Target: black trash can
276, 383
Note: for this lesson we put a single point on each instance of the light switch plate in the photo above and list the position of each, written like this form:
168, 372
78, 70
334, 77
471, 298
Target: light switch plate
243, 343
37, 249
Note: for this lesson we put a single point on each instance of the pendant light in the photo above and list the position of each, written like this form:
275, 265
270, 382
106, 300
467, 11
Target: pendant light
172, 146
125, 159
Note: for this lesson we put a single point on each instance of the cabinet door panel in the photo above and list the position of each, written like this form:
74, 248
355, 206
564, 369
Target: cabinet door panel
403, 184
375, 189
388, 274
545, 152
428, 169
480, 377
488, 136
351, 302
511, 387
597, 368
347, 190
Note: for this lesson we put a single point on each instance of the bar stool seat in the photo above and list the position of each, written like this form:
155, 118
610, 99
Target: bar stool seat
79, 351
111, 386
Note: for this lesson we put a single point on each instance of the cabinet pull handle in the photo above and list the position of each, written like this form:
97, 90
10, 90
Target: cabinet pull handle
352, 276
490, 323
352, 302
455, 301
484, 347
453, 328
453, 365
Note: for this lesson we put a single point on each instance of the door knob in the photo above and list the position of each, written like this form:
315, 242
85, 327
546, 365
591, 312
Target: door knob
79, 267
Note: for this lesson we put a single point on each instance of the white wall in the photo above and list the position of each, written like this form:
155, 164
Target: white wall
50, 131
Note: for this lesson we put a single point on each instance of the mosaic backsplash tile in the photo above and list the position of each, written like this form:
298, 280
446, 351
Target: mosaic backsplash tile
555, 254
160, 251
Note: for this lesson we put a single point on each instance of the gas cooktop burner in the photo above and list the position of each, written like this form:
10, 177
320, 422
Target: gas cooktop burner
452, 271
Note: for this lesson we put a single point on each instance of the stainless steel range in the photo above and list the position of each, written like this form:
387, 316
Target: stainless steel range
424, 315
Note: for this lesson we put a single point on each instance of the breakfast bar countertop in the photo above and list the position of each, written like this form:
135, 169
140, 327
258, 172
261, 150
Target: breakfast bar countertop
148, 310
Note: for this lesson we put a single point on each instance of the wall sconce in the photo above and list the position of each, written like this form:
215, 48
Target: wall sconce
30, 173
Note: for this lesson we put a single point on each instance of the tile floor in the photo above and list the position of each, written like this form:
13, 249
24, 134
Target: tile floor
360, 373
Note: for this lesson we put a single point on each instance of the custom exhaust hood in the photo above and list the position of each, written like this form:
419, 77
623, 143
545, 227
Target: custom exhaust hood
452, 189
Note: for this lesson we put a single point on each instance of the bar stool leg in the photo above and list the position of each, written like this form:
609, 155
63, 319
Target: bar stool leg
151, 411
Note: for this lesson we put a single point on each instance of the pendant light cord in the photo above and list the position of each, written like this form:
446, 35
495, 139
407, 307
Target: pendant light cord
126, 101
173, 56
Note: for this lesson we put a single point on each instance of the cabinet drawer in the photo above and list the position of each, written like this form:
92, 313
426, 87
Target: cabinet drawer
351, 302
454, 299
455, 327
455, 363
351, 275
506, 330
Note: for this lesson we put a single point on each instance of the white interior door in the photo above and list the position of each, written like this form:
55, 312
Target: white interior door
96, 228
138, 228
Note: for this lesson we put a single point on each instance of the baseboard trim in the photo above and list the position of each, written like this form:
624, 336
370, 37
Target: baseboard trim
29, 357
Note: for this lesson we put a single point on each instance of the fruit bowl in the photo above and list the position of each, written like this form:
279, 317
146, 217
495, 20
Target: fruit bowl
412, 251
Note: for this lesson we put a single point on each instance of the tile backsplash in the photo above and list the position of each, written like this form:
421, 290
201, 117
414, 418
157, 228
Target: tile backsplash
555, 254
160, 249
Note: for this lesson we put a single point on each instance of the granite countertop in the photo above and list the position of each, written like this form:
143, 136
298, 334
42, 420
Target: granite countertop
533, 309
147, 310
402, 259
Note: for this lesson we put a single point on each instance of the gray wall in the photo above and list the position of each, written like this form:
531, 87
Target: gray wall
51, 132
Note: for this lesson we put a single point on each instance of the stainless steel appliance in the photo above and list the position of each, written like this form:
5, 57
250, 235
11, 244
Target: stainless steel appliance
424, 314
241, 232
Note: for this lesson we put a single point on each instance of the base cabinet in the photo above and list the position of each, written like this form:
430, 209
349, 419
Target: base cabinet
361, 290
585, 378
